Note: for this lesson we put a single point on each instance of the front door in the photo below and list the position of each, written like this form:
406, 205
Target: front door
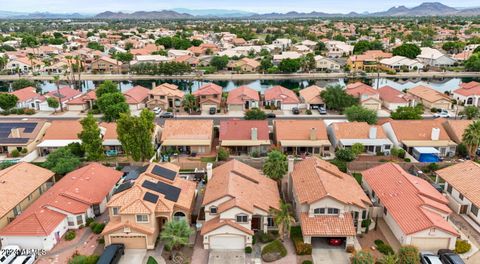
256, 223
463, 209
96, 209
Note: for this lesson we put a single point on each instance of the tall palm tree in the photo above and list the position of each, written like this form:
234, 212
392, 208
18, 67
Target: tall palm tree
175, 234
275, 166
56, 80
283, 219
79, 67
189, 101
471, 138
31, 57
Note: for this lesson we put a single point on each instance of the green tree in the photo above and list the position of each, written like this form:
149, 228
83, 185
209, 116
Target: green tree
266, 63
8, 101
53, 103
62, 161
473, 63
91, 138
124, 57
357, 113
189, 102
136, 134
283, 219
112, 105
358, 148
197, 42
407, 50
96, 46
275, 167
453, 46
223, 154
407, 113
309, 62
219, 62
175, 234
290, 65
361, 46
471, 112
336, 98
389, 259
363, 257
106, 87
255, 114
345, 154
471, 137
408, 255
22, 83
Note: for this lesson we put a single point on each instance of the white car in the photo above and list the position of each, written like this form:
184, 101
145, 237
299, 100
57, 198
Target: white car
25, 259
8, 253
443, 113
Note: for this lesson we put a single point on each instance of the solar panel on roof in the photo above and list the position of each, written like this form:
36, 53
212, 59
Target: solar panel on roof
123, 187
150, 197
13, 140
163, 172
171, 192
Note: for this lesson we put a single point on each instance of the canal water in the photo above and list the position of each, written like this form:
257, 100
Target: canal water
442, 85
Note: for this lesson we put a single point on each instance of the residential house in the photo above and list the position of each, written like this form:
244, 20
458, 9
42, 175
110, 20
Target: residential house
392, 98
338, 49
468, 94
283, 44
430, 98
106, 65
367, 61
21, 184
66, 205
173, 53
326, 64
399, 63
238, 201
300, 137
28, 98
165, 96
293, 55
188, 59
416, 213
368, 97
456, 128
63, 96
242, 98
21, 135
137, 97
278, 97
251, 137
188, 136
461, 188
83, 102
327, 202
310, 96
138, 209
244, 65
19, 64
208, 96
434, 58
411, 134
372, 137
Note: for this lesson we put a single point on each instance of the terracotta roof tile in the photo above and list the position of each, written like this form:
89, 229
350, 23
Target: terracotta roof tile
423, 129
216, 223
208, 89
311, 94
28, 93
136, 95
356, 130
187, 129
464, 177
242, 129
468, 89
427, 94
241, 94
392, 95
284, 131
282, 94
327, 225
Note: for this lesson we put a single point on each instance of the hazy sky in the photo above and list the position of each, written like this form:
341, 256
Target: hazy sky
263, 6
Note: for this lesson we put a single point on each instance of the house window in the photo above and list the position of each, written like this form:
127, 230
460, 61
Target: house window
203, 96
114, 210
213, 210
215, 96
364, 214
79, 220
242, 218
29, 197
474, 210
270, 222
449, 189
70, 221
162, 97
333, 211
319, 211
16, 210
387, 147
142, 218
460, 196
385, 210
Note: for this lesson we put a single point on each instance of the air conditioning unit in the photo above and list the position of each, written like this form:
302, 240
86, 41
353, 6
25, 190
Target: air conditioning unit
387, 152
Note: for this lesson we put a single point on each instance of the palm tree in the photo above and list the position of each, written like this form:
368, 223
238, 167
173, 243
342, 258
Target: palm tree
275, 166
79, 63
56, 80
471, 138
283, 219
189, 102
31, 57
175, 234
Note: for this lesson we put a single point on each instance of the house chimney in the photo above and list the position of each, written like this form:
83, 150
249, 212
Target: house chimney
15, 133
435, 133
209, 171
254, 134
291, 163
154, 85
313, 134
372, 134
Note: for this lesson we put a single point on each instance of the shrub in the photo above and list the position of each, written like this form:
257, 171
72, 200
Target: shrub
92, 224
70, 235
407, 159
358, 148
385, 249
307, 262
377, 242
265, 237
297, 238
151, 260
274, 247
170, 110
89, 221
358, 177
462, 246
24, 151
345, 154
15, 153
29, 111
408, 255
98, 228
101, 240
341, 165
81, 259
223, 154
308, 112
248, 250
350, 249
363, 257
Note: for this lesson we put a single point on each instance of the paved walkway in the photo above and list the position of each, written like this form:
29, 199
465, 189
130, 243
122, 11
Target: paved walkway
472, 234
387, 233
200, 255
291, 257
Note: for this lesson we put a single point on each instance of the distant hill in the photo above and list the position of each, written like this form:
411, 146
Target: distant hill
213, 12
425, 9
164, 14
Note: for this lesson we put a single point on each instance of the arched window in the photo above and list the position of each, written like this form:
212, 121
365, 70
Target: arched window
178, 216
470, 101
242, 218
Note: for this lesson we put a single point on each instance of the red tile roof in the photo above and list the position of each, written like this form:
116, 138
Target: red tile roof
242, 129
27, 93
464, 177
216, 223
89, 96
65, 92
74, 194
392, 95
357, 89
208, 89
412, 202
327, 225
468, 89
136, 95
282, 94
241, 94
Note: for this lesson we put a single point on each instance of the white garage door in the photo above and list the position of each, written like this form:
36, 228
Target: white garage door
134, 242
227, 242
206, 107
430, 243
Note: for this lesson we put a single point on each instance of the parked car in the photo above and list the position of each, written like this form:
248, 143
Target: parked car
335, 241
25, 259
271, 115
166, 115
157, 110
322, 110
478, 152
295, 111
451, 258
112, 254
443, 113
212, 110
429, 258
8, 253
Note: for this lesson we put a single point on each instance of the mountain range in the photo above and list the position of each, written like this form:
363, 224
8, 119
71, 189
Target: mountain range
424, 9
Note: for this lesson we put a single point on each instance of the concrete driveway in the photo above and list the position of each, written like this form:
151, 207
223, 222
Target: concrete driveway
323, 253
226, 257
133, 256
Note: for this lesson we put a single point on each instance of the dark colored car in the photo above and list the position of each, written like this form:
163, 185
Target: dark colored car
212, 110
271, 115
112, 254
295, 111
166, 115
335, 241
429, 258
322, 110
451, 258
